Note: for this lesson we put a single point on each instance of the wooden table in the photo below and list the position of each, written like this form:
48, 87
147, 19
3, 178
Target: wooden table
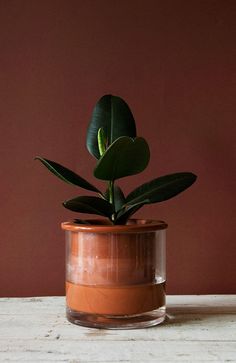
197, 329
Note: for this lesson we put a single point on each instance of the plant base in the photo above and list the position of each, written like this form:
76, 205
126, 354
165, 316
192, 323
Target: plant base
143, 320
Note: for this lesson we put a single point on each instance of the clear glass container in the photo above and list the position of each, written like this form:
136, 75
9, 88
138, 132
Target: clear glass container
115, 275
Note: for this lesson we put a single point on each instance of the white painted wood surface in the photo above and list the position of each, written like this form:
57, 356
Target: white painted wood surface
197, 329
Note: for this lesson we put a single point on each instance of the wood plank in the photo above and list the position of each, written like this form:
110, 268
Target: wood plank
113, 351
198, 329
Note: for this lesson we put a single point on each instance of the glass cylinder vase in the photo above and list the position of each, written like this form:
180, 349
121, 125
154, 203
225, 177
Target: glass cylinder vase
115, 274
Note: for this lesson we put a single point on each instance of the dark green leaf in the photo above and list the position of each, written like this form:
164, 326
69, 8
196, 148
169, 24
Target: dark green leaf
67, 175
124, 157
125, 213
118, 195
106, 195
119, 198
90, 205
161, 189
113, 115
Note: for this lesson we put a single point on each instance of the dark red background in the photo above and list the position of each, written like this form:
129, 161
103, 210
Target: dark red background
172, 61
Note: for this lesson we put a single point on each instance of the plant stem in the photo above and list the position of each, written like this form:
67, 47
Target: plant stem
111, 191
111, 197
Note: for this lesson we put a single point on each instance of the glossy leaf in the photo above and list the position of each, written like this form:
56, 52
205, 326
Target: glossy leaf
106, 195
90, 205
125, 156
161, 189
119, 198
66, 174
125, 213
114, 116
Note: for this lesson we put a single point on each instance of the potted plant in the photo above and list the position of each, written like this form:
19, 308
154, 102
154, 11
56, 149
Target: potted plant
115, 266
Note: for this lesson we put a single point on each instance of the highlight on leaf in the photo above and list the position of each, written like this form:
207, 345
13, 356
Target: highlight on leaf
102, 141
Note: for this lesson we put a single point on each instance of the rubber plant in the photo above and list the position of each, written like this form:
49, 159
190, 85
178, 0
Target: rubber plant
119, 152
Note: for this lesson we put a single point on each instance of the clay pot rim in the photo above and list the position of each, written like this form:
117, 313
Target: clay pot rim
100, 225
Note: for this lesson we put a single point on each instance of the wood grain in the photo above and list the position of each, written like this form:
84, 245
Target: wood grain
197, 329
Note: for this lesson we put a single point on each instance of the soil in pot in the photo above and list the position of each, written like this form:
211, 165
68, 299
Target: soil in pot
116, 275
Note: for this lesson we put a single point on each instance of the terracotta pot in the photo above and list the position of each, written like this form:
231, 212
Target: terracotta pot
115, 275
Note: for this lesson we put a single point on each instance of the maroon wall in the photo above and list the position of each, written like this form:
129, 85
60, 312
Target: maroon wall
173, 63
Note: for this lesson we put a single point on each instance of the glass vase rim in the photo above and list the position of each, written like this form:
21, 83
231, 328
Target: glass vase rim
99, 225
